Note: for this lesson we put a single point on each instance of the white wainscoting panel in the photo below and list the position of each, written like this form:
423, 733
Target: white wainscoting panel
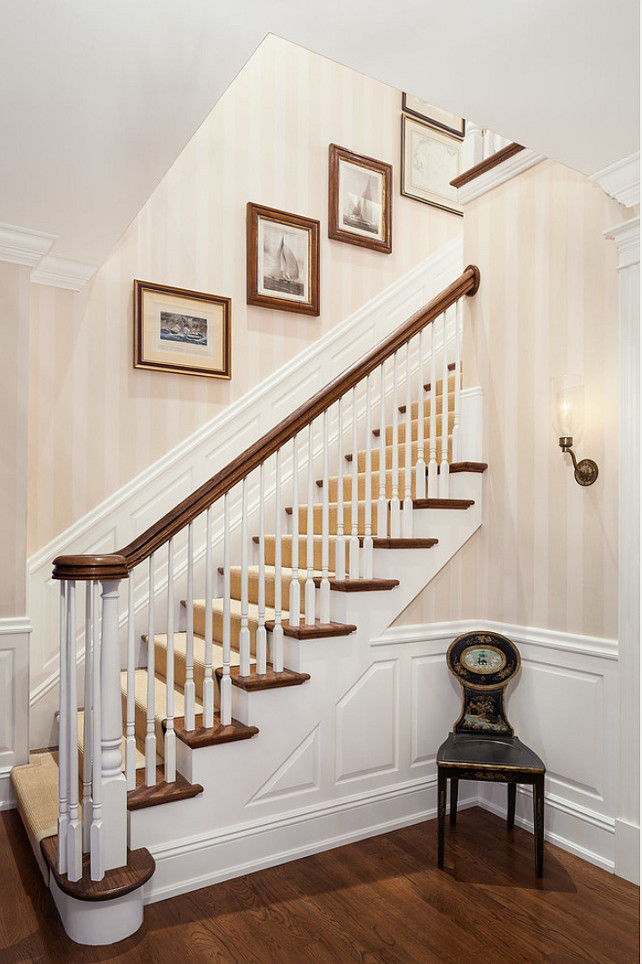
14, 701
367, 723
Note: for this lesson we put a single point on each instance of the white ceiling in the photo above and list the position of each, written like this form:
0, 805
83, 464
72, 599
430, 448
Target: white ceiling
98, 98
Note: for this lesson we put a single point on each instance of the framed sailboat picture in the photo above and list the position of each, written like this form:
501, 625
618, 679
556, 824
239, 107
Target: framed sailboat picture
282, 260
177, 330
360, 200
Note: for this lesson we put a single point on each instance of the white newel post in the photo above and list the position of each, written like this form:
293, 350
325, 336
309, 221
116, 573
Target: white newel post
114, 786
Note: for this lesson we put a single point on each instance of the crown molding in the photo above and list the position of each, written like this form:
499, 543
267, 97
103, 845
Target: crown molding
23, 246
60, 272
627, 239
497, 175
621, 180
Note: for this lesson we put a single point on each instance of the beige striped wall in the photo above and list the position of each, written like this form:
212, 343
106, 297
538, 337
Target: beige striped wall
95, 422
547, 554
14, 402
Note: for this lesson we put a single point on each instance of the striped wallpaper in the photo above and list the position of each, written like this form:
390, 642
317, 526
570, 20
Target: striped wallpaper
95, 422
547, 554
14, 402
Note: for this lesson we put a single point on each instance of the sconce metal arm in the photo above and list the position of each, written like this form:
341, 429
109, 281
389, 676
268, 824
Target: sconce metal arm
586, 471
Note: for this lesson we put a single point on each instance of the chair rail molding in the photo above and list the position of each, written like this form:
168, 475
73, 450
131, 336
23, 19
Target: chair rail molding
621, 180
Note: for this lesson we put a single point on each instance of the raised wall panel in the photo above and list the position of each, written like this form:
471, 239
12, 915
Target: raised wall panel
7, 701
435, 706
559, 712
14, 698
298, 774
367, 724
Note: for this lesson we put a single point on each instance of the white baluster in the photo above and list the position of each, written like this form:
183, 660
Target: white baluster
340, 542
208, 680
130, 711
63, 740
432, 462
190, 687
368, 552
456, 438
244, 632
150, 737
170, 733
395, 506
382, 503
261, 632
407, 499
472, 149
444, 486
420, 467
309, 582
324, 593
226, 681
277, 633
87, 728
97, 837
114, 786
295, 588
353, 561
74, 829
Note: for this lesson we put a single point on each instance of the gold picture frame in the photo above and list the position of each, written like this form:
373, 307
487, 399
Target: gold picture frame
183, 331
282, 260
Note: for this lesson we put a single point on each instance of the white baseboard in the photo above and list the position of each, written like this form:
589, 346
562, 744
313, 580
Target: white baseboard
190, 864
7, 796
627, 851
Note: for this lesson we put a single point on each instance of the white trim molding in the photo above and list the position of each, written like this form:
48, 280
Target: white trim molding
627, 239
621, 180
23, 246
61, 272
498, 175
14, 701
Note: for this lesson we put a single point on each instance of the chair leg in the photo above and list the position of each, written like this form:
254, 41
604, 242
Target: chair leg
512, 793
454, 788
538, 824
441, 815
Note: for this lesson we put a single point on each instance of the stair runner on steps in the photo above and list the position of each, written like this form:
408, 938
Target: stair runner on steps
38, 779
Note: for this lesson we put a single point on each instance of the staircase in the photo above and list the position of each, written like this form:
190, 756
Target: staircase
297, 612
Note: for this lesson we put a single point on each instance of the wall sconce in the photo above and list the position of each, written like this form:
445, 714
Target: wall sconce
568, 417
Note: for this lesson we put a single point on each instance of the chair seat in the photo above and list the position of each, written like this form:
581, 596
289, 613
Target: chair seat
508, 752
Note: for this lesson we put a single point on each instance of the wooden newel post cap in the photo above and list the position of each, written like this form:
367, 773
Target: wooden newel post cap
477, 274
90, 567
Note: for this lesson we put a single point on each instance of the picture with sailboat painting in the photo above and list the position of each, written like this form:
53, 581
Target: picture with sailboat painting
360, 200
282, 260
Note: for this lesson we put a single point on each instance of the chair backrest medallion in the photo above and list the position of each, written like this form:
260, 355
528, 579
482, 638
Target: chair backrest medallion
483, 663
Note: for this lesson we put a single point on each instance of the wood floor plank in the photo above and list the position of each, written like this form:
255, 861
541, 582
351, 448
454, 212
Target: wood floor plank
378, 901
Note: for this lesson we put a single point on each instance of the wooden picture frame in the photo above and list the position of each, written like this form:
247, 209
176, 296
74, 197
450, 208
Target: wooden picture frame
360, 200
430, 160
282, 260
178, 330
434, 116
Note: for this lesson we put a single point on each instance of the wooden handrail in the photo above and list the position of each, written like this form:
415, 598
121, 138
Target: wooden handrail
118, 565
487, 164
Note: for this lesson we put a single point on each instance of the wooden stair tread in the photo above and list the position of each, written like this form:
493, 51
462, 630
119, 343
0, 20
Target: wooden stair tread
162, 792
455, 467
388, 542
316, 631
442, 503
116, 883
202, 736
264, 681
359, 585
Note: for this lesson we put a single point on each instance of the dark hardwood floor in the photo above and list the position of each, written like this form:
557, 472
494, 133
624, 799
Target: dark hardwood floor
379, 901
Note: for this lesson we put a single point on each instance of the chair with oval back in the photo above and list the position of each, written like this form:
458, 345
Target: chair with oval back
482, 745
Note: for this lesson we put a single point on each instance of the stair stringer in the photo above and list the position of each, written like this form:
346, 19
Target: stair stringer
379, 711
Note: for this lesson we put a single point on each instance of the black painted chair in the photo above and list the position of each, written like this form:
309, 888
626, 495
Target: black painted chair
482, 745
